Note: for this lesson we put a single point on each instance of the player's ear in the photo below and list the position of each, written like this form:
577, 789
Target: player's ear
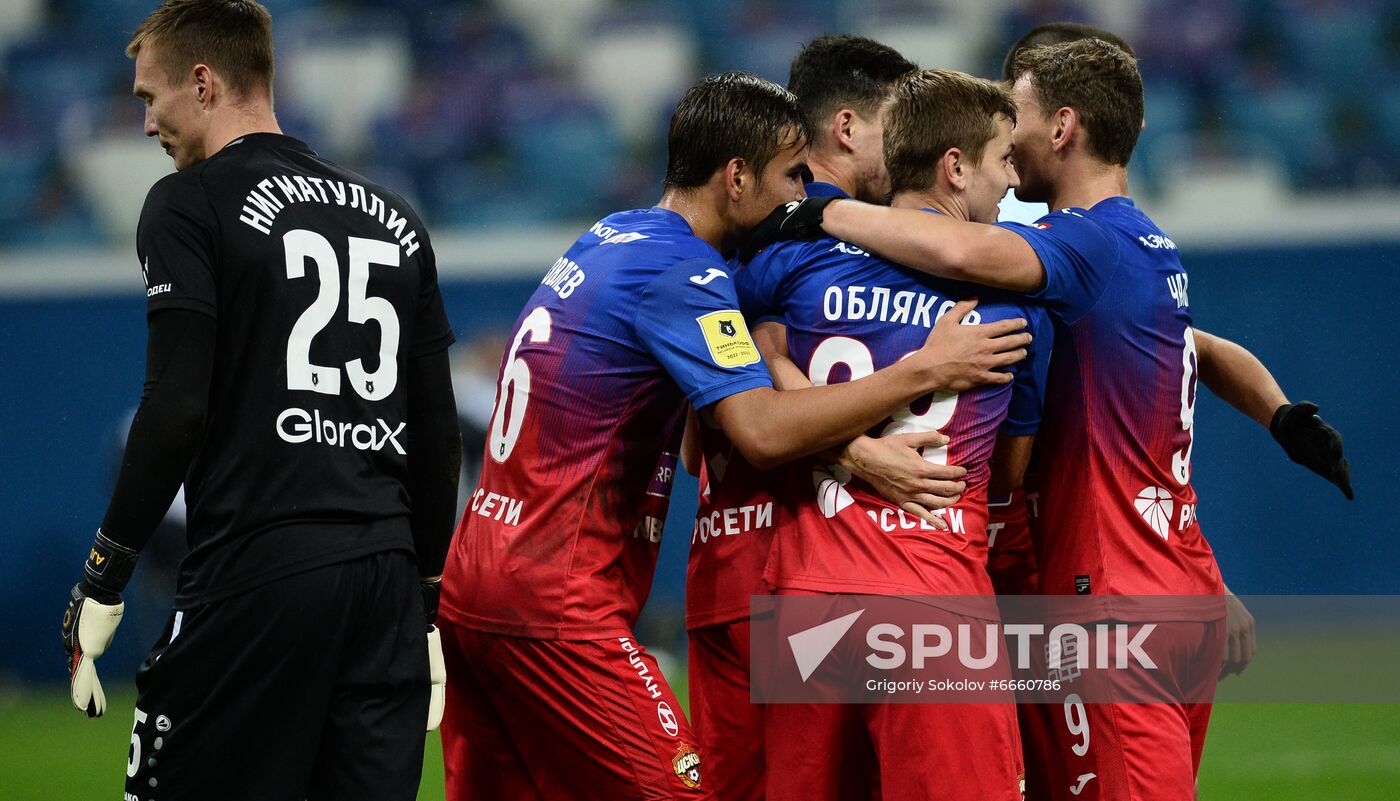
843, 128
952, 167
203, 84
1066, 125
737, 179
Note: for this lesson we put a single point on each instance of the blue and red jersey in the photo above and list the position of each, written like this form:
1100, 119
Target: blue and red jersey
560, 538
849, 313
1118, 510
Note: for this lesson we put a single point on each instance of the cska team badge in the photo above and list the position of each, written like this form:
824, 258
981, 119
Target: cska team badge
686, 763
726, 327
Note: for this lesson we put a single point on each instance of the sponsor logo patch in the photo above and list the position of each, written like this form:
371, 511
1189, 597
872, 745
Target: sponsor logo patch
728, 338
623, 238
1155, 505
669, 724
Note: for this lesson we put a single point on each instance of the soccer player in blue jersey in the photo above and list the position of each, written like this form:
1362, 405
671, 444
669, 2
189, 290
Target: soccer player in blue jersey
947, 144
1227, 369
1123, 382
841, 83
552, 696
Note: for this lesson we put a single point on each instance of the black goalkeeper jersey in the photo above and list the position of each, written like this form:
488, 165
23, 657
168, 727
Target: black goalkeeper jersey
323, 286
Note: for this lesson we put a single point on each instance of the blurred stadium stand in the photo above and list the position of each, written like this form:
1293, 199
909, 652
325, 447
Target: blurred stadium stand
534, 110
1271, 155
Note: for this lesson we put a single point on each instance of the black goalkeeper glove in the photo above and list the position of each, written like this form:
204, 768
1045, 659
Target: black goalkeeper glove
800, 219
1312, 443
94, 609
437, 668
432, 592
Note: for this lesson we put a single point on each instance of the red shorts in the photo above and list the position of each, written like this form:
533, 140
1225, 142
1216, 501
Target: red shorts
561, 719
730, 728
957, 752
891, 751
1125, 752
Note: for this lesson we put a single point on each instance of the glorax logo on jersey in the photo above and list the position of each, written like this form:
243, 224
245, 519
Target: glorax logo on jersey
298, 425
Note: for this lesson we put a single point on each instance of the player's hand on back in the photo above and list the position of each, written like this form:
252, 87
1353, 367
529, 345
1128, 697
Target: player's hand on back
960, 357
1313, 443
1240, 646
798, 219
896, 469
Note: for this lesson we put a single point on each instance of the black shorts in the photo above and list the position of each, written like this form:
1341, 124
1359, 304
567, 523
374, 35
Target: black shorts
314, 686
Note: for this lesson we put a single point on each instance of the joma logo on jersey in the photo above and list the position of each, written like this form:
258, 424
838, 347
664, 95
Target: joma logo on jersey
297, 426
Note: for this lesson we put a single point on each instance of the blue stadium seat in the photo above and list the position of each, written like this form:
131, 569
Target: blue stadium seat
1293, 120
1340, 48
1386, 109
1171, 116
23, 172
48, 74
573, 157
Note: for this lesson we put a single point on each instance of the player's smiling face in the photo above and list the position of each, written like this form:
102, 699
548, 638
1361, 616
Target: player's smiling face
174, 114
987, 184
1032, 137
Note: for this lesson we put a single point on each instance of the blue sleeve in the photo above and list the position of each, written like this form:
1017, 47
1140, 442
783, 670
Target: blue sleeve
1079, 259
688, 318
1028, 390
759, 284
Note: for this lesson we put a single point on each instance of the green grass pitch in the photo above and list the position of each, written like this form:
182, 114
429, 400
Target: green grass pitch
50, 752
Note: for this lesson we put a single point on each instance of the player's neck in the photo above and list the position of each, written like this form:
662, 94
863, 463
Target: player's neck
699, 211
829, 169
239, 121
931, 198
1083, 183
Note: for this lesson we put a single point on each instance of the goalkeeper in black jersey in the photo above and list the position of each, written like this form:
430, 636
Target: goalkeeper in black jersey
297, 384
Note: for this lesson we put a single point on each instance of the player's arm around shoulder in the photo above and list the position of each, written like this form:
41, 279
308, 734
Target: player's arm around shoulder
893, 465
938, 244
771, 427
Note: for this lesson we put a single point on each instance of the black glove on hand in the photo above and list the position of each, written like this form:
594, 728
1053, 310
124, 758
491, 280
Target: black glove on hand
800, 219
1312, 443
437, 666
94, 609
432, 592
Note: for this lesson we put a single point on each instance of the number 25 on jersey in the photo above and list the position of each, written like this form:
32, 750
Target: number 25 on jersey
301, 245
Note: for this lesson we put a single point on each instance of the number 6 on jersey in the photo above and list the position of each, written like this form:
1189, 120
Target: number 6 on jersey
515, 386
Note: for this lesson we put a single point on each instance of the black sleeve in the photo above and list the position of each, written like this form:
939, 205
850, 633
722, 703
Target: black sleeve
434, 459
166, 432
431, 331
175, 242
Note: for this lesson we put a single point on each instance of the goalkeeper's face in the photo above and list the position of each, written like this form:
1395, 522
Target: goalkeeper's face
175, 111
